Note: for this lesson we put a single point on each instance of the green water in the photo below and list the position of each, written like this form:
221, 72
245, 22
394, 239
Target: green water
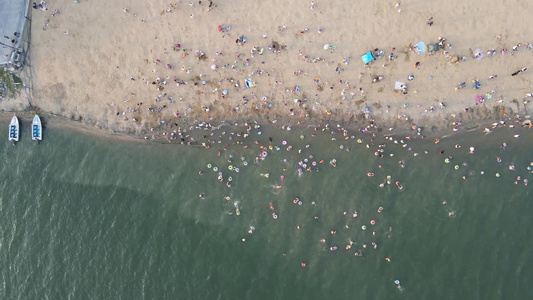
84, 217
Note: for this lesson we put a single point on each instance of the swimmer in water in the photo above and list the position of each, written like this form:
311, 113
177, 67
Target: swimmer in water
399, 185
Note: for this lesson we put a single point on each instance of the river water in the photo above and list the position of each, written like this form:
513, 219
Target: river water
86, 217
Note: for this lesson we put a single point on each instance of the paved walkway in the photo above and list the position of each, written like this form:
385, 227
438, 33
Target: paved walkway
12, 20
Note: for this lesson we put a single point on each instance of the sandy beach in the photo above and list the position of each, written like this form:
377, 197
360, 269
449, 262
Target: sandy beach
148, 68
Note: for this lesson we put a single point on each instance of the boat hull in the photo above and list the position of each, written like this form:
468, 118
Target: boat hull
36, 129
14, 130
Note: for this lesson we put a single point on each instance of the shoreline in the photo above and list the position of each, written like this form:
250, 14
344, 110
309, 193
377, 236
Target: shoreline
56, 121
194, 130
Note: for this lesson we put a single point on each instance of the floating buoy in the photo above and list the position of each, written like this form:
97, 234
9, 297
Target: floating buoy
245, 163
227, 198
230, 179
215, 169
209, 166
363, 227
237, 170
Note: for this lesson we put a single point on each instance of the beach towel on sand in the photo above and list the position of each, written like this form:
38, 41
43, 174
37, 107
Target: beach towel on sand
421, 47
